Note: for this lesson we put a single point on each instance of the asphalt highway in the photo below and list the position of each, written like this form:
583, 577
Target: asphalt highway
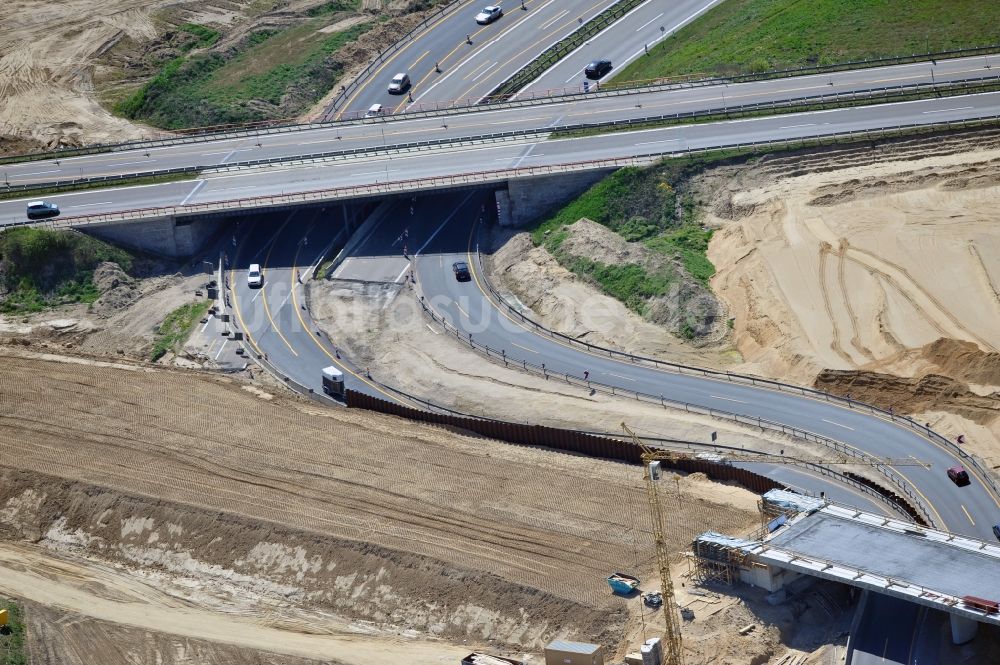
376, 134
621, 43
276, 324
967, 510
415, 167
444, 66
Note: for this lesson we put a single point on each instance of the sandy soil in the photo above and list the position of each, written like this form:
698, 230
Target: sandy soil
390, 335
882, 261
47, 53
337, 522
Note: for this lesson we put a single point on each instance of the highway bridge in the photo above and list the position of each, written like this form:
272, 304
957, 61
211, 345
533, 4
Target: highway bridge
324, 165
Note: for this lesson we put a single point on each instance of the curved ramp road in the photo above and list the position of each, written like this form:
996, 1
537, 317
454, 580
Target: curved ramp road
416, 167
374, 135
967, 510
275, 323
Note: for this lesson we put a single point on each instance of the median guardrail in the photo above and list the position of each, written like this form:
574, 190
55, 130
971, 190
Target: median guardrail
466, 180
823, 101
451, 107
561, 49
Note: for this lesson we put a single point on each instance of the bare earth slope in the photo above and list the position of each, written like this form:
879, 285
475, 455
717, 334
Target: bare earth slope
881, 259
338, 522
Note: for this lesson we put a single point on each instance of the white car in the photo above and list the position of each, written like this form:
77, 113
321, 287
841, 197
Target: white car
489, 14
374, 111
254, 278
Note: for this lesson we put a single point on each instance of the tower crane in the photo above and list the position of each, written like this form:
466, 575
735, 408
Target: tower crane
673, 654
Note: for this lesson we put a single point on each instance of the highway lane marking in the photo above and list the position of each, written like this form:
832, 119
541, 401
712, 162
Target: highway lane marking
968, 515
194, 190
930, 506
141, 161
665, 33
222, 348
459, 307
545, 26
422, 56
808, 124
263, 272
374, 172
525, 348
336, 361
21, 175
401, 273
87, 205
655, 142
483, 73
728, 399
474, 71
837, 424
649, 21
443, 224
392, 58
627, 378
960, 108
432, 329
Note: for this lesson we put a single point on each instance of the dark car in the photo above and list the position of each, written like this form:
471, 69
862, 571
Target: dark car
958, 475
41, 210
597, 69
461, 269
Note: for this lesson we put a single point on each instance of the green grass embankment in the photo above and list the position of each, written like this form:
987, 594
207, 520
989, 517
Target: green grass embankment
640, 205
742, 36
176, 327
12, 636
271, 74
40, 268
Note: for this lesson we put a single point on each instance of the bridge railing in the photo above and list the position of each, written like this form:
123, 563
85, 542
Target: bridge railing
500, 356
814, 101
562, 95
476, 178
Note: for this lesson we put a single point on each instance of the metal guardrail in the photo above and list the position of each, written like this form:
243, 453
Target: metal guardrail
464, 180
500, 356
758, 382
834, 100
452, 107
693, 446
362, 77
560, 49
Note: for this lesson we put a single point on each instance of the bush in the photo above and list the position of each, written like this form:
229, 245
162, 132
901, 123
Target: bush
40, 268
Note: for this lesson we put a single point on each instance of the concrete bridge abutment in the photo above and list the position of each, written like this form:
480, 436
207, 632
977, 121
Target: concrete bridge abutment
527, 199
174, 237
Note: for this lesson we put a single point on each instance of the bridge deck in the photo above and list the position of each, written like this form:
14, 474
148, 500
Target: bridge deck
861, 547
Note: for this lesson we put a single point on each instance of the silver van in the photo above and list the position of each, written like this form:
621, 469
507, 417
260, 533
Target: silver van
399, 83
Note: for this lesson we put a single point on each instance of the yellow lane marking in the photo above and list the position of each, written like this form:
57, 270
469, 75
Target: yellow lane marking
332, 357
473, 72
385, 64
263, 295
236, 305
968, 515
414, 63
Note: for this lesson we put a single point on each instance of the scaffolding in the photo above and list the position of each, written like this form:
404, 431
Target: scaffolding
719, 558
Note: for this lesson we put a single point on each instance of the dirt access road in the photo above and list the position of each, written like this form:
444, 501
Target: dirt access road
99, 591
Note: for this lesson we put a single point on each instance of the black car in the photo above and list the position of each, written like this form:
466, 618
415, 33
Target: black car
597, 69
461, 269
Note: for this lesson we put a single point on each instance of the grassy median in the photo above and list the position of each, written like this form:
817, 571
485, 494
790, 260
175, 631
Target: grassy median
742, 36
12, 636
